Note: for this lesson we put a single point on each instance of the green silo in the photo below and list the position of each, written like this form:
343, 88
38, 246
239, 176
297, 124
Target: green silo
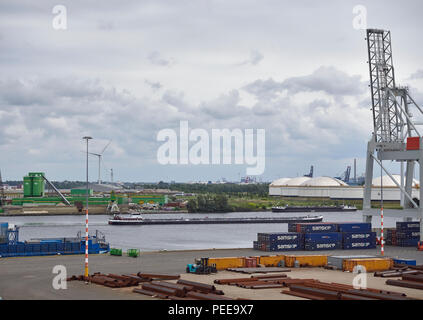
37, 186
27, 185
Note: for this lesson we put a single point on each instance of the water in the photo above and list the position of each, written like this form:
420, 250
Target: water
171, 237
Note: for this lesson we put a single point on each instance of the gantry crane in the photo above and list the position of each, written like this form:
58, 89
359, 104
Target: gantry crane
394, 127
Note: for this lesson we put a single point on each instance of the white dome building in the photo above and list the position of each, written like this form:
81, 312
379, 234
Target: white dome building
324, 182
280, 182
388, 183
295, 182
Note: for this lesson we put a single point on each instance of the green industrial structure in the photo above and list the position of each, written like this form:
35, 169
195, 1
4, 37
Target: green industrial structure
34, 193
34, 184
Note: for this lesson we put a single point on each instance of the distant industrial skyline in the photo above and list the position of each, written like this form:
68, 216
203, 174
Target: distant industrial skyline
124, 72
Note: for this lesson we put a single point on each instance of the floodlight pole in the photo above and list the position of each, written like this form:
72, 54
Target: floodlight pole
86, 219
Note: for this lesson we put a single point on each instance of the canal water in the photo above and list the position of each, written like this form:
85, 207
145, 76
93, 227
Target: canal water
170, 237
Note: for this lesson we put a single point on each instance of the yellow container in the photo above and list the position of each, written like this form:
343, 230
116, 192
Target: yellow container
371, 265
306, 260
227, 262
271, 261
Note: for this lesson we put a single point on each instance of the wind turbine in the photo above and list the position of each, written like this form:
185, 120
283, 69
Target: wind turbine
99, 155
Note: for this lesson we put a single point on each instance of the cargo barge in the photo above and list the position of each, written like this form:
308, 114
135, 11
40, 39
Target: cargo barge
10, 246
136, 220
314, 209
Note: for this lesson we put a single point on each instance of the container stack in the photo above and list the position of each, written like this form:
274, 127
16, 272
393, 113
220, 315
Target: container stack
407, 234
319, 236
283, 241
391, 237
357, 236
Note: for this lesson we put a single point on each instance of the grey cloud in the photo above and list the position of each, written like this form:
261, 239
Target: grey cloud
255, 58
326, 79
154, 85
156, 58
417, 75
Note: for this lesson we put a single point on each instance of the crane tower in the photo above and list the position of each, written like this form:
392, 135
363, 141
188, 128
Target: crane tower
394, 127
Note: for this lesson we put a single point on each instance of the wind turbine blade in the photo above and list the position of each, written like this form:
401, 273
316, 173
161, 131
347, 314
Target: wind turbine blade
104, 149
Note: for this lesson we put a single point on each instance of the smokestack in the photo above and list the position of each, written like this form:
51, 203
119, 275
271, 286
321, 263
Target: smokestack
355, 170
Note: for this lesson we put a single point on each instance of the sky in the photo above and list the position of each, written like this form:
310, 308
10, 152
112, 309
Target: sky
124, 71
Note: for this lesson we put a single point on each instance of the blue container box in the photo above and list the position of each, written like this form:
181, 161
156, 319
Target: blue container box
12, 248
29, 247
288, 237
354, 227
407, 242
408, 226
359, 237
323, 237
52, 247
359, 245
20, 248
44, 247
316, 246
318, 227
76, 246
60, 247
408, 235
36, 247
409, 262
285, 247
68, 246
3, 249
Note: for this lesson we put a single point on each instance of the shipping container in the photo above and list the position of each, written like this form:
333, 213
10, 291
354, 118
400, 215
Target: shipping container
357, 237
275, 246
338, 261
359, 245
409, 262
27, 186
370, 264
408, 226
354, 227
316, 227
271, 261
408, 234
306, 260
316, 245
323, 237
287, 237
228, 262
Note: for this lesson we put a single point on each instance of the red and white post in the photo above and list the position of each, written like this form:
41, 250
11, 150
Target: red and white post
86, 220
382, 241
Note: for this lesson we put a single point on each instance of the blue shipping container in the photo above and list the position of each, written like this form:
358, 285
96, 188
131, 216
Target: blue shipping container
52, 247
408, 235
409, 226
317, 227
323, 237
76, 246
356, 227
357, 237
315, 246
283, 236
44, 247
409, 262
284, 247
359, 245
407, 242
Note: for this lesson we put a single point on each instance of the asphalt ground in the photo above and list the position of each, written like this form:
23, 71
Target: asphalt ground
32, 277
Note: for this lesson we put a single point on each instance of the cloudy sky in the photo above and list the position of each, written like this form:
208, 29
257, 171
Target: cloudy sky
124, 70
